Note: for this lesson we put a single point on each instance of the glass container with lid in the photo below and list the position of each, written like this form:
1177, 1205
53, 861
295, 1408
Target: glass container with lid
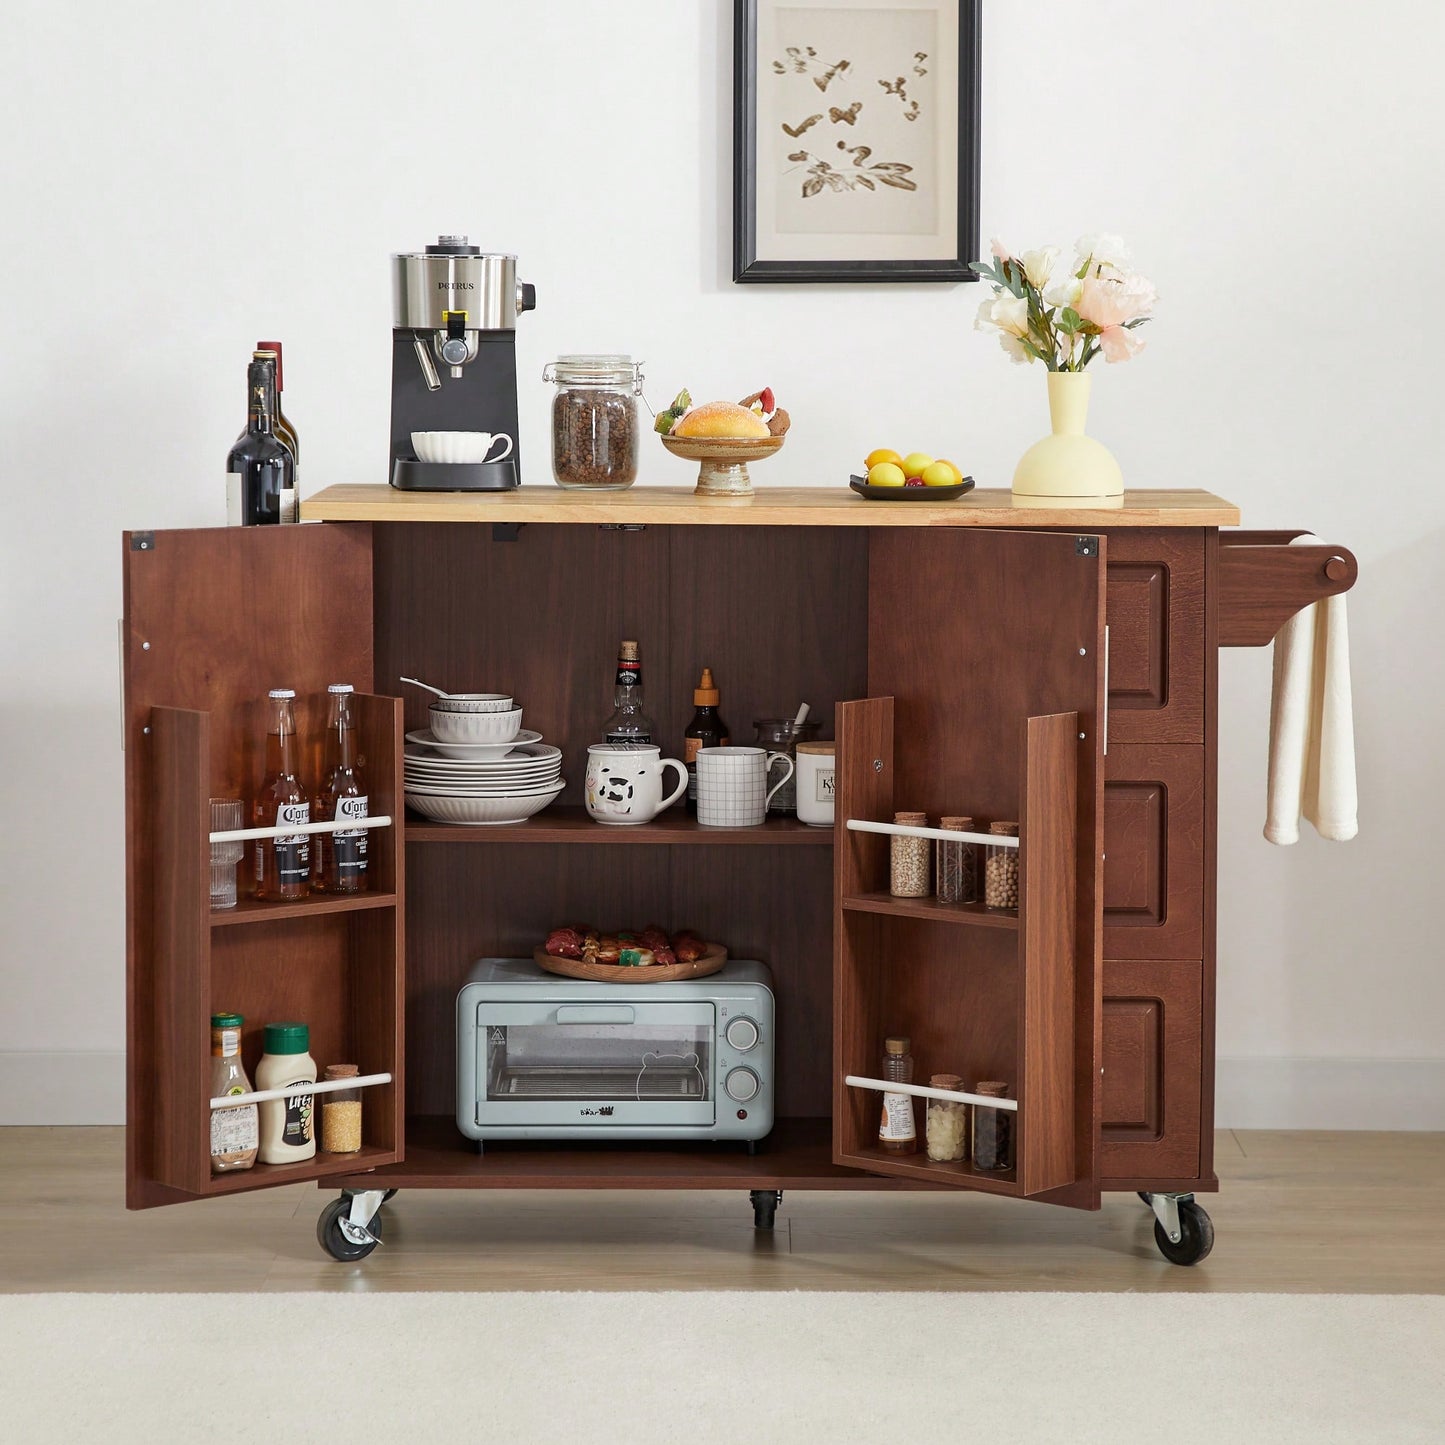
595, 431
782, 735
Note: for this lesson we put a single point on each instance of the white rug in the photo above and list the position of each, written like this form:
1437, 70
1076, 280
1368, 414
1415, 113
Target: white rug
686, 1368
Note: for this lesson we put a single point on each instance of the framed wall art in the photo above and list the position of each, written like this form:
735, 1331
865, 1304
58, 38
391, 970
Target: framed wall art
855, 140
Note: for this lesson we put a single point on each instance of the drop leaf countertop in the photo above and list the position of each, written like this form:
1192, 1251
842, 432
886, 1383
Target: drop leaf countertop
770, 507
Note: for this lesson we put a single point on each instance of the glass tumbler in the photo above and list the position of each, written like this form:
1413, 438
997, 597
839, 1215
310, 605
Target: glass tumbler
226, 817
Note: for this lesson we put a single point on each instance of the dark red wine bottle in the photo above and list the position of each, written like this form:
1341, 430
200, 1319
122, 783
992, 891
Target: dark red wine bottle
260, 472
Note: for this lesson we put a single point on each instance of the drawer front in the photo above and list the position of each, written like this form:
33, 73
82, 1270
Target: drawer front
1152, 1055
1154, 852
1155, 612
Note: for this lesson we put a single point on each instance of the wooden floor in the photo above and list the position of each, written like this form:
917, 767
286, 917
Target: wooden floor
1296, 1212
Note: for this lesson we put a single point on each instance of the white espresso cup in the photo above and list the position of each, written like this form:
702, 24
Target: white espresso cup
732, 785
624, 782
815, 784
460, 447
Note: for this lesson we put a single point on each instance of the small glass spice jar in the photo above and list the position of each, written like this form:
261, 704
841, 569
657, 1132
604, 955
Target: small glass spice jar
946, 1123
1001, 870
993, 1129
955, 865
908, 859
341, 1113
595, 433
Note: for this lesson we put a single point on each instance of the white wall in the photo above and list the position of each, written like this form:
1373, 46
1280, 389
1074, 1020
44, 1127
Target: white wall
169, 191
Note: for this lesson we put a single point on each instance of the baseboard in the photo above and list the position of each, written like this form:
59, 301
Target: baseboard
89, 1088
1330, 1094
62, 1088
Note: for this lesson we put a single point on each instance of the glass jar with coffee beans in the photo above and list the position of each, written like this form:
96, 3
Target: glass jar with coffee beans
595, 435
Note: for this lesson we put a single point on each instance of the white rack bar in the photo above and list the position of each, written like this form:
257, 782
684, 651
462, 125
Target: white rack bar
346, 825
919, 1091
324, 1086
947, 835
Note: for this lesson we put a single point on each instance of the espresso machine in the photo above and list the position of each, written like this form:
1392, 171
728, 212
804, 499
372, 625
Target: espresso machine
454, 364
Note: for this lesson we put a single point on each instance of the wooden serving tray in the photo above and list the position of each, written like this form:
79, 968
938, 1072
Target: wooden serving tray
710, 962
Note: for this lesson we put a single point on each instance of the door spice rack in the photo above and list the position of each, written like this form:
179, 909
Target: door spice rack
1095, 1000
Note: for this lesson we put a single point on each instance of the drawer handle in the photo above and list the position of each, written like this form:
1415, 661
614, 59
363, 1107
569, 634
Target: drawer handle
619, 1013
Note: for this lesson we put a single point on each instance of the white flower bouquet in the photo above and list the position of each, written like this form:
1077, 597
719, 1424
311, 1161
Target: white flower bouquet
1095, 307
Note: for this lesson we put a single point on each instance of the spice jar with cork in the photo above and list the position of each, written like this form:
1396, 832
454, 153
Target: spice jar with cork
341, 1113
945, 1123
955, 865
908, 859
993, 1129
1001, 870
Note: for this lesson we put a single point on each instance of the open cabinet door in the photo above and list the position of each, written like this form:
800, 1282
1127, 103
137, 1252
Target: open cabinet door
213, 620
986, 683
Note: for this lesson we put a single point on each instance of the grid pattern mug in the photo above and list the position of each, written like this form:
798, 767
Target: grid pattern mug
732, 785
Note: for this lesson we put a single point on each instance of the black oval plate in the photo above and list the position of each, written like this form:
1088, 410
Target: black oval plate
909, 494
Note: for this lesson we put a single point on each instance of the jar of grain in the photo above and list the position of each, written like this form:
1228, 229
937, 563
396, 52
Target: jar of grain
1001, 870
341, 1113
955, 865
595, 435
908, 859
946, 1122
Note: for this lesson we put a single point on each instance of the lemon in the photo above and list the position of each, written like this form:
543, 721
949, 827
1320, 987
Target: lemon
916, 463
940, 474
953, 467
881, 454
885, 474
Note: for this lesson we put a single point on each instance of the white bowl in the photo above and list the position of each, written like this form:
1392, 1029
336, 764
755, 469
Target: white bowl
452, 446
481, 812
474, 702
475, 727
465, 752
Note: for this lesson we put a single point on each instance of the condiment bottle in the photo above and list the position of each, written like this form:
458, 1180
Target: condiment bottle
897, 1129
706, 730
945, 1123
283, 865
288, 1126
340, 857
993, 1129
341, 1113
630, 722
908, 859
234, 1132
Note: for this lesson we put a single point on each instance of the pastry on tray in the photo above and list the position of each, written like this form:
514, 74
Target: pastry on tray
627, 948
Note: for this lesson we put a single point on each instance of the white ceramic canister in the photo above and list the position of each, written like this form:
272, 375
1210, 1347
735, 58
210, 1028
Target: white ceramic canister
624, 782
288, 1126
815, 784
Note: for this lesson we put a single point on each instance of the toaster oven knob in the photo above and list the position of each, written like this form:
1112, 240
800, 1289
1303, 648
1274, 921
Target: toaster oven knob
741, 1085
742, 1034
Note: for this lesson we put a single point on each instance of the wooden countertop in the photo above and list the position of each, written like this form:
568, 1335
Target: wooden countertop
771, 507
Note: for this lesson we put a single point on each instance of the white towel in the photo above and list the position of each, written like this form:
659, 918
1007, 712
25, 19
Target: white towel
1311, 726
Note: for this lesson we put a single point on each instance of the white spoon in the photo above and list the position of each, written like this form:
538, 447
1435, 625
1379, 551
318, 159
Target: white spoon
417, 682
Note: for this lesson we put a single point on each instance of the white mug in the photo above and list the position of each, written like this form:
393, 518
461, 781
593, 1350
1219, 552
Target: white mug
624, 782
732, 785
459, 447
815, 784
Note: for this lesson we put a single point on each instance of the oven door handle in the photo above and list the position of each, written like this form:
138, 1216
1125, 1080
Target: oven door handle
608, 1013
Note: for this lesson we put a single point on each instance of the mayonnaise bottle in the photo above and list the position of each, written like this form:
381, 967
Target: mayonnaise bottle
288, 1126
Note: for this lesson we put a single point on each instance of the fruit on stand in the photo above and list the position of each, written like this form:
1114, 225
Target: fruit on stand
886, 474
757, 416
886, 468
666, 420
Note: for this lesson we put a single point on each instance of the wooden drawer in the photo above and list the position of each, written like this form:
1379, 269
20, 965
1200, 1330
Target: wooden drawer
1153, 1024
1154, 851
1155, 613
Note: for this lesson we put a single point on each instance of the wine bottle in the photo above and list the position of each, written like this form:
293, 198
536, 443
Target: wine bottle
629, 723
261, 471
280, 423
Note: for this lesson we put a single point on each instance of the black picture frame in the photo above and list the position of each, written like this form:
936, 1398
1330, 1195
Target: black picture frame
746, 265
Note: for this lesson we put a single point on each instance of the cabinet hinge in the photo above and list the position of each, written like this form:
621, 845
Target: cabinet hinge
1086, 546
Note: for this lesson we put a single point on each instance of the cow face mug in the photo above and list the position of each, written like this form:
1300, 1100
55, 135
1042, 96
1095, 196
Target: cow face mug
624, 782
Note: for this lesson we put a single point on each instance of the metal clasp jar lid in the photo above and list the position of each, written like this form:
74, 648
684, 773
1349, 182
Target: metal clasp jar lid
579, 369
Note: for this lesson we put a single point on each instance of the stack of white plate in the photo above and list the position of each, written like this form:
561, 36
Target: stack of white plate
481, 790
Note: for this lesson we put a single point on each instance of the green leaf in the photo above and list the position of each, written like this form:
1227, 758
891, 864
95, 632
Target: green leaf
1071, 318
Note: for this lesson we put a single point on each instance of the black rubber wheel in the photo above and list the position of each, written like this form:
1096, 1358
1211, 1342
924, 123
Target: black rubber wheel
334, 1242
1196, 1236
1146, 1197
388, 1196
765, 1206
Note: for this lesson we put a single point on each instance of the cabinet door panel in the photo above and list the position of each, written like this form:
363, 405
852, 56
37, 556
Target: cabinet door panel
1151, 1083
1156, 637
1154, 852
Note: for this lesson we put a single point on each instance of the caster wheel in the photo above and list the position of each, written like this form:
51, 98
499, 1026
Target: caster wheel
388, 1196
765, 1206
334, 1240
1196, 1236
1144, 1195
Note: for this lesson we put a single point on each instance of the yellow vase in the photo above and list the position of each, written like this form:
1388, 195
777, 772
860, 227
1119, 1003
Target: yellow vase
1067, 463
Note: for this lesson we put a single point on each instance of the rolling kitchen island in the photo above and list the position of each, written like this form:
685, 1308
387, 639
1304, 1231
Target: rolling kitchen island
1053, 664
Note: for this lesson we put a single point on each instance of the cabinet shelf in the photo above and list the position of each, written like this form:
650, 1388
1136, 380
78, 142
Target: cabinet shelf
930, 909
252, 910
323, 1166
920, 1167
575, 825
